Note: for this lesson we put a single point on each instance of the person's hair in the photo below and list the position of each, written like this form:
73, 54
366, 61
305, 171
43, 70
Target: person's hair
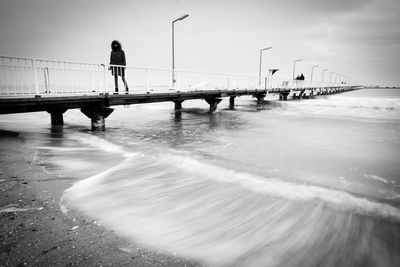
116, 46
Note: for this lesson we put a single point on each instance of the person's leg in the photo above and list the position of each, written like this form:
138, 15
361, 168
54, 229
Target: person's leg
125, 83
116, 81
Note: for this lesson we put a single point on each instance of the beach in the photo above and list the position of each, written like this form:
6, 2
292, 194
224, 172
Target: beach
34, 230
285, 183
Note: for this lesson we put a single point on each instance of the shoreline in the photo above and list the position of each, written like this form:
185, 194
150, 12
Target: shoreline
34, 230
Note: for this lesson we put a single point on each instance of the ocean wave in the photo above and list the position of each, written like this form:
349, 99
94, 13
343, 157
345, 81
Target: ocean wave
338, 200
376, 178
100, 143
296, 192
180, 204
388, 104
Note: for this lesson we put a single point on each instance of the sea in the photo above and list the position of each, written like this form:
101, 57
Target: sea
313, 182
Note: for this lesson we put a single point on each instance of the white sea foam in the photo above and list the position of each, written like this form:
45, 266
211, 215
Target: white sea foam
212, 213
100, 143
296, 192
272, 187
347, 107
98, 178
15, 208
376, 178
354, 102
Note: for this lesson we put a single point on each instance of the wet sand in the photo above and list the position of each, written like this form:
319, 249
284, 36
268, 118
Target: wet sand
35, 232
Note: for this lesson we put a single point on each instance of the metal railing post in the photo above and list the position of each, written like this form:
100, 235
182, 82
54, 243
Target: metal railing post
92, 78
178, 81
148, 79
103, 81
46, 80
35, 76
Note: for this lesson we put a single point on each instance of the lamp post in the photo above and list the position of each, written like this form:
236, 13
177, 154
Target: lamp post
294, 65
323, 72
259, 71
312, 72
173, 47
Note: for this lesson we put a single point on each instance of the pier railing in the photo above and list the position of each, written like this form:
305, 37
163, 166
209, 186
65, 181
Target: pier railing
30, 77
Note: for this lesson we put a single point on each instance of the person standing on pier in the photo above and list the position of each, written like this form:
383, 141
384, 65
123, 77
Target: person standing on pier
118, 58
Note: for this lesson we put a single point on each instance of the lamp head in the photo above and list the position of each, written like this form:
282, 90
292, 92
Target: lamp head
184, 17
267, 48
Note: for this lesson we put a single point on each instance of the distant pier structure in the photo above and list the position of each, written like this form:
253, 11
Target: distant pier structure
31, 85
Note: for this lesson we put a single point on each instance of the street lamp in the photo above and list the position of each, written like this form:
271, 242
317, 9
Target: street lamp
323, 72
312, 71
294, 65
259, 71
173, 47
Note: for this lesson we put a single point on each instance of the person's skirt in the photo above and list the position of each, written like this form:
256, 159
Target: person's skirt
120, 71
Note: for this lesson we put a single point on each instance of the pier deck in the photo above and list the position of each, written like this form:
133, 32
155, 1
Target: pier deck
32, 85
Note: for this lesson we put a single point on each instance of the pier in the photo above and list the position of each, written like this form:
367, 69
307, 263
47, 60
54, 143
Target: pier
33, 85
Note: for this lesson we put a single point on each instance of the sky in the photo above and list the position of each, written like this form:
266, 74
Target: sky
357, 38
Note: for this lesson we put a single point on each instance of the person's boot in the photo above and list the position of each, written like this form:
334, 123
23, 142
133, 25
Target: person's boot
116, 91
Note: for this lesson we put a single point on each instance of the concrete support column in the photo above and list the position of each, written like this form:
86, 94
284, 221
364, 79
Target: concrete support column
295, 96
98, 116
283, 95
307, 96
232, 102
178, 104
213, 102
301, 94
260, 98
57, 116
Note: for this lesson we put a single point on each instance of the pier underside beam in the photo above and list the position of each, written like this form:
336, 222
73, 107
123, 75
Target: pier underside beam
56, 115
97, 116
213, 102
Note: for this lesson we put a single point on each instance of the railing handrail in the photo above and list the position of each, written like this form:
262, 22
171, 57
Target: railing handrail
22, 75
130, 66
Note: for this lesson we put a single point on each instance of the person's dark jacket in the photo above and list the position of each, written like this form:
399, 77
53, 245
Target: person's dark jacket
117, 58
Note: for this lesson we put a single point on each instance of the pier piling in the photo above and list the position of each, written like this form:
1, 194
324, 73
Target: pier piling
213, 102
97, 116
56, 116
232, 102
260, 98
283, 95
178, 104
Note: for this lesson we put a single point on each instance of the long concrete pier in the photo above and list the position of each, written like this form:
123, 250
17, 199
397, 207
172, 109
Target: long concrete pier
98, 107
